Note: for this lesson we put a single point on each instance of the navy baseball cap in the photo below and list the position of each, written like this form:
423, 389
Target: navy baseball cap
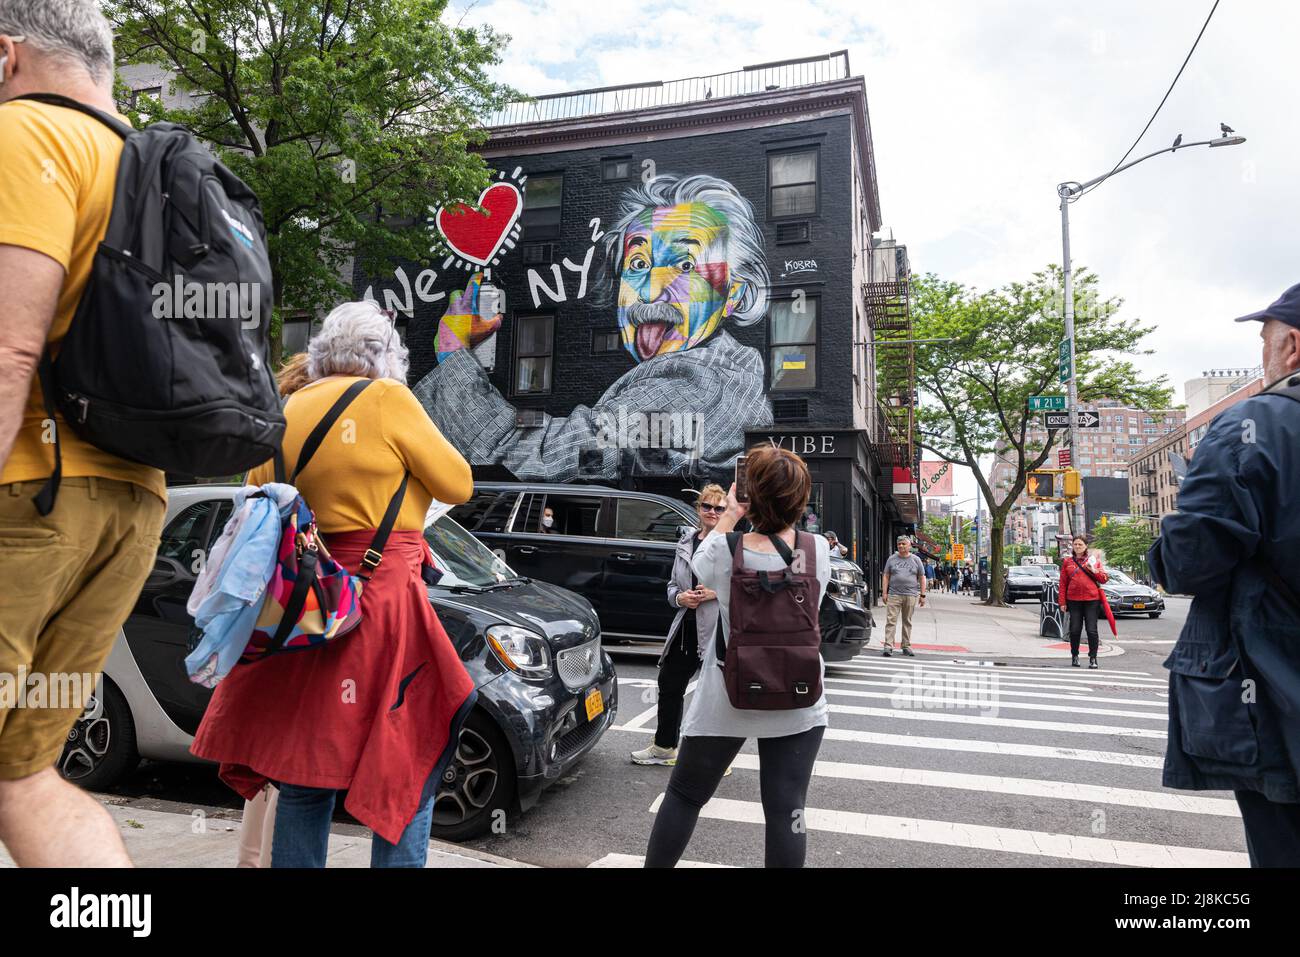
1286, 309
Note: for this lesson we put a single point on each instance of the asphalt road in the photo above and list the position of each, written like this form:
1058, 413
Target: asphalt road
928, 762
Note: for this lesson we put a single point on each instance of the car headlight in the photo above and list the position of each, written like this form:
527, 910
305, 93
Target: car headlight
522, 651
844, 576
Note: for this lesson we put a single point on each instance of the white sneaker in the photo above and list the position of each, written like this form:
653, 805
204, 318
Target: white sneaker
655, 755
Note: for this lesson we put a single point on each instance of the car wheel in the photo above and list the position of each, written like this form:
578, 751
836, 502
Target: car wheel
1153, 614
477, 783
100, 749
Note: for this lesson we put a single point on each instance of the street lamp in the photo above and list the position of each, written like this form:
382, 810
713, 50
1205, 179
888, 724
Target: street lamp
1068, 193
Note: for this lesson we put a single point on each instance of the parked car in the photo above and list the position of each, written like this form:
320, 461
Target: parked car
1026, 581
1127, 597
547, 691
616, 549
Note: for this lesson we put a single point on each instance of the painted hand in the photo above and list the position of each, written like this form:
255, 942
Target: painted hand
462, 327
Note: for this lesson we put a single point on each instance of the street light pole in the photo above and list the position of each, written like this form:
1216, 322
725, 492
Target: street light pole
1068, 193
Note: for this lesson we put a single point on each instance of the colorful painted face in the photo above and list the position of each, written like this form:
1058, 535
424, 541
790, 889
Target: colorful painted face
675, 286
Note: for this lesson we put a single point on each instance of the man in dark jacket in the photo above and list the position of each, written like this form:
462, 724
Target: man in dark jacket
1234, 684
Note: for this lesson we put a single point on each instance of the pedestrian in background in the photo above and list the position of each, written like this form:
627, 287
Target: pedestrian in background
714, 730
903, 586
1082, 576
837, 549
697, 615
376, 713
1234, 675
70, 577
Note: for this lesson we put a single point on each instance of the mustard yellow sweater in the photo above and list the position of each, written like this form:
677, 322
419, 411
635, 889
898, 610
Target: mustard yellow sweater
384, 433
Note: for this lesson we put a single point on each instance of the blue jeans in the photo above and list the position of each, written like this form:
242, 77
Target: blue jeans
302, 830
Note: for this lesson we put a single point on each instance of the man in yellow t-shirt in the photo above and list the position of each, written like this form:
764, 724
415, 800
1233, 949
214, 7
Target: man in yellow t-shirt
70, 578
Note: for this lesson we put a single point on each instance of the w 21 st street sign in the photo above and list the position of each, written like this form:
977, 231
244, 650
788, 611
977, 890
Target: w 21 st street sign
1047, 403
1061, 420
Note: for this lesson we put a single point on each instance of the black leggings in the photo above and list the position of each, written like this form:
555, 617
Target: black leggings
680, 663
785, 767
1084, 613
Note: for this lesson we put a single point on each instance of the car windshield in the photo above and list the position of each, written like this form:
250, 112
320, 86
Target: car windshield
1040, 571
462, 558
1118, 577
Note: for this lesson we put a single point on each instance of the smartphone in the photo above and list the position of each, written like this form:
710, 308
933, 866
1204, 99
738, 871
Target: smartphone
742, 484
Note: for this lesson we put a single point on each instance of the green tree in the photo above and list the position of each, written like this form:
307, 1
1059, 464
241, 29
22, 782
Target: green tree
350, 119
1125, 542
1012, 554
1002, 347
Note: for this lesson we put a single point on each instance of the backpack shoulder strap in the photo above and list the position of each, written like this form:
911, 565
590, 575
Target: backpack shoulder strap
56, 99
318, 434
733, 541
375, 553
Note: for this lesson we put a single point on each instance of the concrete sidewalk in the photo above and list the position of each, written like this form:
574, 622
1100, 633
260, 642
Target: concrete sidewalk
170, 839
958, 625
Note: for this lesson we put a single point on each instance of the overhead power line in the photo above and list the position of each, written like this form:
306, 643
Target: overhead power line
1186, 60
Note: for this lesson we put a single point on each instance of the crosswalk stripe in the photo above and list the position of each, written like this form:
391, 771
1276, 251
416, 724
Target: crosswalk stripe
982, 837
976, 746
644, 717
986, 702
999, 691
1060, 675
1065, 726
638, 860
878, 659
1027, 787
1083, 682
929, 674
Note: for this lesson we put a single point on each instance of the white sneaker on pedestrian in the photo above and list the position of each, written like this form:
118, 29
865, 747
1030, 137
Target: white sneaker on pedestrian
655, 755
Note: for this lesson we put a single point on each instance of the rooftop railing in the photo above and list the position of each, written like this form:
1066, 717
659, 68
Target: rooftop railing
760, 78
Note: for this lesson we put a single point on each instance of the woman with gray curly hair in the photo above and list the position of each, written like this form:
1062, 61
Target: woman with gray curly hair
378, 712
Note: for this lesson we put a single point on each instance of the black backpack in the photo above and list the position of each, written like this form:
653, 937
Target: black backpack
163, 363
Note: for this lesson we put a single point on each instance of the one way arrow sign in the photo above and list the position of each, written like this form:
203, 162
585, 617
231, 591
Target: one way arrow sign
1061, 420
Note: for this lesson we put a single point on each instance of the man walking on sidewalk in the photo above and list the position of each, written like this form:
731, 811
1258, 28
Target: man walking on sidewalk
902, 587
70, 577
1234, 682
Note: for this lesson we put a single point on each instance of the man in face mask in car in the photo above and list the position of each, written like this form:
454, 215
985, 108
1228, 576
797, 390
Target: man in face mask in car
1234, 685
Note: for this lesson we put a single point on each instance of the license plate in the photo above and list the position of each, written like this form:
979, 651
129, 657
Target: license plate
595, 704
1138, 604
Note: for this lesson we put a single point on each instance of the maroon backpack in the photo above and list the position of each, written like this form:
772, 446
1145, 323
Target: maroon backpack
771, 660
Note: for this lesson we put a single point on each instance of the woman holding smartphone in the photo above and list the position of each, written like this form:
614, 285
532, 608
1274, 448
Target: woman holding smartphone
697, 616
1080, 594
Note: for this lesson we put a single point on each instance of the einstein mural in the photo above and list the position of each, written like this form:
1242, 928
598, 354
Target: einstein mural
683, 263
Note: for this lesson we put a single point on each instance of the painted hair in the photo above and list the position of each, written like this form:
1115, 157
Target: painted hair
745, 248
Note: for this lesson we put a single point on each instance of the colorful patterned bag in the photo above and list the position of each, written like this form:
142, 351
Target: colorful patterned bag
311, 599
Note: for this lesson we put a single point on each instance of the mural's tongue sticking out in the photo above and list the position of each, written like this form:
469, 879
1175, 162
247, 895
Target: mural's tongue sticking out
650, 337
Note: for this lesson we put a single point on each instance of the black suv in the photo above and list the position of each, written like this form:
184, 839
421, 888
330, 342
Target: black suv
616, 549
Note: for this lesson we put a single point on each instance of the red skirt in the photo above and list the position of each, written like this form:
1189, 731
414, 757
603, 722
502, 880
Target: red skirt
373, 713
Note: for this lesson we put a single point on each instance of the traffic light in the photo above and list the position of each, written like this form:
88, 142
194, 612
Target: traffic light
1041, 484
1073, 482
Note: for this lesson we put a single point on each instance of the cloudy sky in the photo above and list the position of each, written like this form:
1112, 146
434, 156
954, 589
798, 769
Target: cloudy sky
979, 108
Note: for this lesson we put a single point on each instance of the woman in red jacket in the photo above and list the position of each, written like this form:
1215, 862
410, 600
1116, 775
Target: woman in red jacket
1081, 579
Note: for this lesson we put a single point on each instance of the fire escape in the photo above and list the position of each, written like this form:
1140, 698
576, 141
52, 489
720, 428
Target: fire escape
886, 300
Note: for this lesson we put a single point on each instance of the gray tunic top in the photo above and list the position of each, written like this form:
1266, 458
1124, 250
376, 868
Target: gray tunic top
710, 713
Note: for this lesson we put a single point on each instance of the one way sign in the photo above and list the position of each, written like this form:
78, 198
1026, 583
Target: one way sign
1061, 420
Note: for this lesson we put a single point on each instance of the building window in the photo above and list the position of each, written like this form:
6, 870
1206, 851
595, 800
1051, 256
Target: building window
135, 103
534, 342
792, 344
605, 341
616, 169
792, 183
295, 332
541, 215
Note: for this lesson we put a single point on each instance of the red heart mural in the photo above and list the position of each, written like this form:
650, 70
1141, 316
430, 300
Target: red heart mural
477, 236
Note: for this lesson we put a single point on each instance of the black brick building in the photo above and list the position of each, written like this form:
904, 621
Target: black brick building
747, 202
